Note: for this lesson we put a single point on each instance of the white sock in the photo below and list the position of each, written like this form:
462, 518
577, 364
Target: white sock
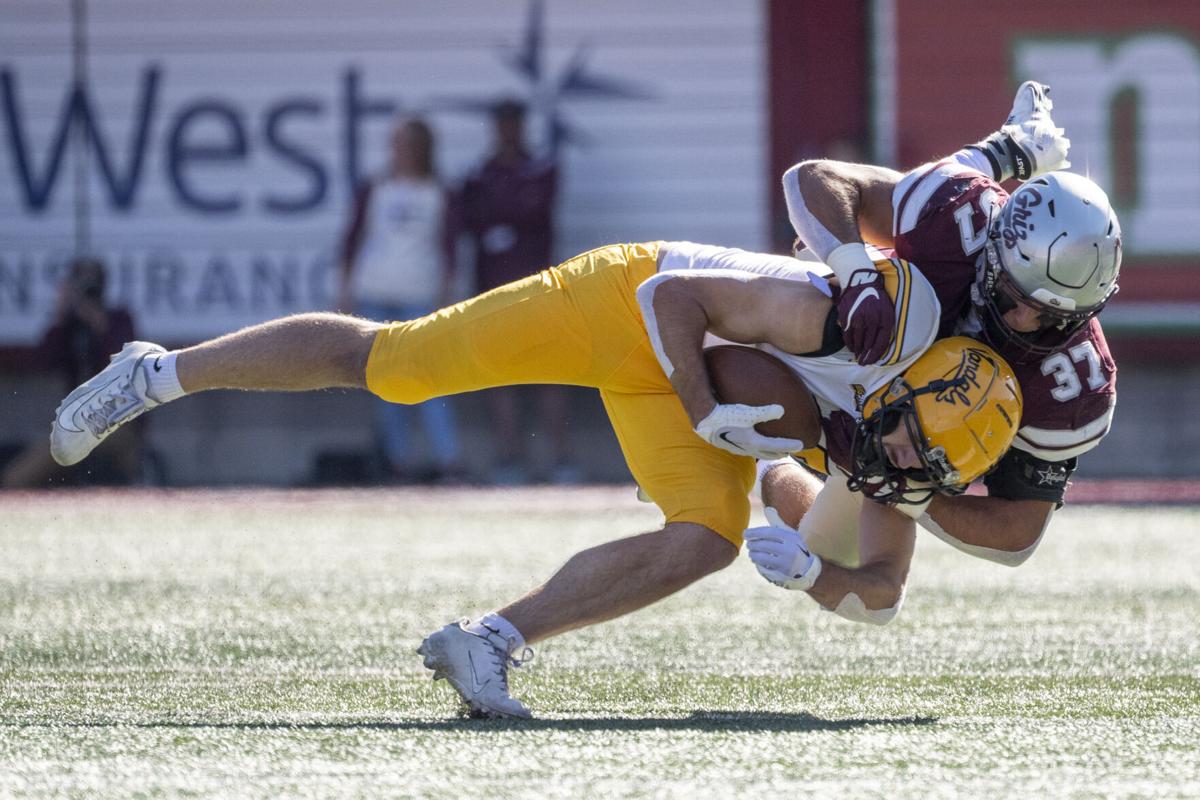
162, 382
975, 159
492, 621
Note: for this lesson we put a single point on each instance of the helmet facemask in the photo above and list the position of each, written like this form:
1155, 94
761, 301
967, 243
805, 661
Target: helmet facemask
994, 294
873, 470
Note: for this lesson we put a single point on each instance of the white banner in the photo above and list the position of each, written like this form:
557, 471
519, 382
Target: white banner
218, 142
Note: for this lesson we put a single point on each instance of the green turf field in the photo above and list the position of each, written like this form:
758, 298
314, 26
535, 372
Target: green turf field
261, 645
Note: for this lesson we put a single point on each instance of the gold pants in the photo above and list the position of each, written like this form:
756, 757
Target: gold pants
579, 324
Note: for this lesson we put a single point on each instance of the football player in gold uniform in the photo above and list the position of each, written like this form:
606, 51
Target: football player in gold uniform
608, 319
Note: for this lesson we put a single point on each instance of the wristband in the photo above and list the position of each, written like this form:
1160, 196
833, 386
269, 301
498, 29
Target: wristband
848, 259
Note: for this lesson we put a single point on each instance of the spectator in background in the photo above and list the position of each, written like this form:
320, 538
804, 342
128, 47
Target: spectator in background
82, 335
508, 208
397, 263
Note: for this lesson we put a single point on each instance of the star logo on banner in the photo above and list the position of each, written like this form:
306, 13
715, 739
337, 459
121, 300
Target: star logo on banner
545, 93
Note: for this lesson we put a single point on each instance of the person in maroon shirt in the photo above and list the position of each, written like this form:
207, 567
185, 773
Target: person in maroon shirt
507, 207
82, 335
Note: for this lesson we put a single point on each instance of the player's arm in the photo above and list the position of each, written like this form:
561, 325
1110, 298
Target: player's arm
1023, 491
1028, 144
832, 206
833, 203
680, 307
872, 592
996, 528
836, 206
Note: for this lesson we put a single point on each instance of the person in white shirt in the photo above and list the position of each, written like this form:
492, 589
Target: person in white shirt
398, 264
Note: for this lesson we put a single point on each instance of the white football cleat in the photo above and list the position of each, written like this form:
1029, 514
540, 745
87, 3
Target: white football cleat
1032, 130
477, 667
1032, 101
1029, 143
113, 397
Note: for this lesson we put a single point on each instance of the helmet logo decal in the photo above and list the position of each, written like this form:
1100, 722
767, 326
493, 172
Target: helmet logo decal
966, 377
1015, 224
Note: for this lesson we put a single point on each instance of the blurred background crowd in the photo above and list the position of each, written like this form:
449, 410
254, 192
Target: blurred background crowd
171, 172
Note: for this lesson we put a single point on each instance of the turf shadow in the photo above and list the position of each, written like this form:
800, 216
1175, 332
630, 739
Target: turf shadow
731, 721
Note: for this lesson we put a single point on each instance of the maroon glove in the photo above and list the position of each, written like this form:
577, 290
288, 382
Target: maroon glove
839, 438
867, 316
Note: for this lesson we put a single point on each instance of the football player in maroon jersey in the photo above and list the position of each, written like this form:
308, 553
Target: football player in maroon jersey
1026, 273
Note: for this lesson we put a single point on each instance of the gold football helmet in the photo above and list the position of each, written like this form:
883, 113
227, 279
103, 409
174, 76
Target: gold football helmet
961, 405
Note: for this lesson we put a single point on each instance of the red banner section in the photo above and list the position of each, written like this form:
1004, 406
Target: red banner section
818, 63
1125, 80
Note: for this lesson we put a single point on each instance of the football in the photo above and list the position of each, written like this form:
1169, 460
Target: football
752, 377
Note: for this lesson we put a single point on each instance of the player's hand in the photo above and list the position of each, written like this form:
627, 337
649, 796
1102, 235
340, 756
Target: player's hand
781, 555
731, 427
866, 315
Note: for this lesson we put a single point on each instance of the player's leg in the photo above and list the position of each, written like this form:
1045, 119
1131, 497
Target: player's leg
540, 329
306, 351
616, 578
825, 512
703, 494
292, 354
572, 324
788, 488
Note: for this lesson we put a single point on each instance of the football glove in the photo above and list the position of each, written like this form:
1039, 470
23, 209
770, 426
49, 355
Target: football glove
866, 316
781, 555
731, 427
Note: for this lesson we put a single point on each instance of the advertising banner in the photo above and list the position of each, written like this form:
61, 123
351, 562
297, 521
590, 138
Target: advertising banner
1125, 80
207, 153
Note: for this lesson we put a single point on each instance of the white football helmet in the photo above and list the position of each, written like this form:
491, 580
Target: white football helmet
1056, 246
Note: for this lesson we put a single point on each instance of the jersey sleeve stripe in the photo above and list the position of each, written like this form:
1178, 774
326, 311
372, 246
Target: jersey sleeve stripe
1056, 453
914, 190
1057, 445
1050, 437
902, 299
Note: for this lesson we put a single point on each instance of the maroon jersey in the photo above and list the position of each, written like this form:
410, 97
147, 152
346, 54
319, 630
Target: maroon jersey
1069, 397
940, 223
508, 208
940, 220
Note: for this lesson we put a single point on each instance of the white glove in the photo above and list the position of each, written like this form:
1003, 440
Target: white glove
781, 554
1031, 128
731, 427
